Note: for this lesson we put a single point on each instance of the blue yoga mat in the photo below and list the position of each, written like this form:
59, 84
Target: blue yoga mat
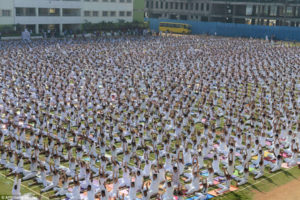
208, 196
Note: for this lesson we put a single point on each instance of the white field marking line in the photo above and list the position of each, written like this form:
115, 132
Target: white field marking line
263, 179
25, 187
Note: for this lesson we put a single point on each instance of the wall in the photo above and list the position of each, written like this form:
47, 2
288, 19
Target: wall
6, 5
235, 30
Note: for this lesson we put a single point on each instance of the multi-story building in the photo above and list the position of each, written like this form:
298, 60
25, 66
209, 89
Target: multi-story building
261, 12
61, 15
138, 10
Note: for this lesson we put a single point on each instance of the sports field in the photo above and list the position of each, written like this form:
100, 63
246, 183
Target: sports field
234, 100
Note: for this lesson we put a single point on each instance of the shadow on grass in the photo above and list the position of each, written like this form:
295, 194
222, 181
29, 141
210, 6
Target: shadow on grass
269, 180
289, 174
256, 188
235, 196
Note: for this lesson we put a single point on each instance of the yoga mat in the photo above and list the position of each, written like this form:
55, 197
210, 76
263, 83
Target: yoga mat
220, 179
204, 173
208, 196
236, 173
209, 156
124, 191
285, 166
285, 155
216, 182
268, 143
237, 154
86, 159
214, 192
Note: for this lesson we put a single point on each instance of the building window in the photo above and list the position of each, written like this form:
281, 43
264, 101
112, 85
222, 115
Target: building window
191, 6
176, 5
156, 4
249, 10
105, 1
6, 13
129, 1
186, 6
202, 6
129, 14
49, 12
147, 4
273, 11
280, 10
207, 7
161, 5
151, 4
289, 11
123, 1
121, 14
25, 12
113, 1
95, 0
105, 13
70, 12
181, 6
95, 13
87, 13
197, 6
171, 5
266, 9
167, 5
112, 13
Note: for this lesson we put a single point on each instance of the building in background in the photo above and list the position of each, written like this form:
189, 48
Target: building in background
61, 15
138, 10
259, 12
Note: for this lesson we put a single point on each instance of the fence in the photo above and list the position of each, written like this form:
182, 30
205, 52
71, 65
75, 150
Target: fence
234, 30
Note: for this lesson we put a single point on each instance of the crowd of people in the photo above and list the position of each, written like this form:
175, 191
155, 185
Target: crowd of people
146, 117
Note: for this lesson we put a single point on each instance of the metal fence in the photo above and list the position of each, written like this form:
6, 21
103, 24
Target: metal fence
234, 30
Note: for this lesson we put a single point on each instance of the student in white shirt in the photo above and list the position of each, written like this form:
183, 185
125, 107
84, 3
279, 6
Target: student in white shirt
115, 190
278, 164
33, 169
41, 179
145, 195
261, 171
169, 193
61, 191
195, 185
55, 180
132, 192
226, 187
90, 193
245, 178
16, 190
154, 186
103, 195
75, 195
